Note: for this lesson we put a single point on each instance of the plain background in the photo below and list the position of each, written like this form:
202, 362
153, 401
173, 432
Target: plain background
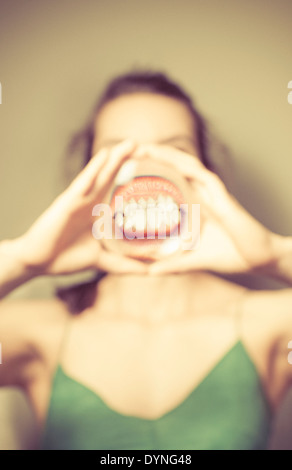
234, 57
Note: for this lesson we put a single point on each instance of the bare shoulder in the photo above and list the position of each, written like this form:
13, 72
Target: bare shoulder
28, 329
28, 317
267, 333
30, 306
265, 328
269, 312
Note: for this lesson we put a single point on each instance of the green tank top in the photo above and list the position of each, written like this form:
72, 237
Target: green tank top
227, 410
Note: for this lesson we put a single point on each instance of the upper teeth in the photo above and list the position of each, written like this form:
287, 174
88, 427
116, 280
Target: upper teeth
143, 203
150, 213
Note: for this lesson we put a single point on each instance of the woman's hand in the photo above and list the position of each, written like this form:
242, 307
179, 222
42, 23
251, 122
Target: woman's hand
231, 241
61, 240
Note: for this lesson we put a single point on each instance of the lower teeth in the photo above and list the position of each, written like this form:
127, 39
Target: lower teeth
147, 221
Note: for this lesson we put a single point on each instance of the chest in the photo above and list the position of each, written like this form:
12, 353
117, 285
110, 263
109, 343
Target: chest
219, 413
145, 371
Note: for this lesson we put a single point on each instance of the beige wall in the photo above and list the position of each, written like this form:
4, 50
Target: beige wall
55, 57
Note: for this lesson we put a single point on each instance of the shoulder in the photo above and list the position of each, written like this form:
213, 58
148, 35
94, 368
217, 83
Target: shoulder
269, 313
29, 329
26, 317
265, 329
267, 332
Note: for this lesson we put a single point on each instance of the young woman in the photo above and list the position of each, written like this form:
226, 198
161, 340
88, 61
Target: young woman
159, 351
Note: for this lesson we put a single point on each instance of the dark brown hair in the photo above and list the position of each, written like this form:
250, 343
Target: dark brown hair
80, 296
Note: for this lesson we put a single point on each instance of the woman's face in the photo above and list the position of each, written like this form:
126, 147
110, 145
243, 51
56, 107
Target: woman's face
147, 118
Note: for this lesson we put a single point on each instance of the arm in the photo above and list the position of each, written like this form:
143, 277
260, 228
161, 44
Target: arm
280, 266
17, 353
59, 242
267, 327
232, 240
26, 328
13, 272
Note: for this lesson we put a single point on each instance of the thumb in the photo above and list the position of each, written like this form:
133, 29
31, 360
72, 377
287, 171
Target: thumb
181, 263
115, 263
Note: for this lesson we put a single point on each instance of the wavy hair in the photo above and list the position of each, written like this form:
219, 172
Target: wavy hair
80, 296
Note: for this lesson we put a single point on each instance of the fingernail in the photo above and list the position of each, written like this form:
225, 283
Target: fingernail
154, 270
140, 151
126, 172
130, 143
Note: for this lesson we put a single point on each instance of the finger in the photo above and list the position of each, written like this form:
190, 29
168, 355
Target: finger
105, 158
82, 184
207, 186
117, 157
181, 262
188, 165
115, 263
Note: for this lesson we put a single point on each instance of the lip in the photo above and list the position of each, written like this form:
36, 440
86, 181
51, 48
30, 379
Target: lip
142, 237
148, 180
144, 249
146, 187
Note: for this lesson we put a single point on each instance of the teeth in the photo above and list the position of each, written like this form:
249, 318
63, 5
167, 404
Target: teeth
119, 219
142, 203
150, 214
151, 202
169, 200
140, 220
173, 212
135, 221
160, 202
175, 216
131, 208
129, 223
151, 220
162, 220
161, 199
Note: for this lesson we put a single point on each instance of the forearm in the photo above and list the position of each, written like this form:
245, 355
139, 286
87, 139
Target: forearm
264, 252
280, 267
13, 272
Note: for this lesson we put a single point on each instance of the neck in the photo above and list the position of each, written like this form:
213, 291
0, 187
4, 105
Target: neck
149, 299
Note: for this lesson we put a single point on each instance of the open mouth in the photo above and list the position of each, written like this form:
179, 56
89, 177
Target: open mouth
148, 207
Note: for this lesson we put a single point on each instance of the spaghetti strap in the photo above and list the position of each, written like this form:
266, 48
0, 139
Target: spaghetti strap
64, 339
230, 399
238, 315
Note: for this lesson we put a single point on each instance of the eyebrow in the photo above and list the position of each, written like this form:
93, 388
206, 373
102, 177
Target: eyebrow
174, 138
167, 140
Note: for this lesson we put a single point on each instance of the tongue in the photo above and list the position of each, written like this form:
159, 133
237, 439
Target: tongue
148, 186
